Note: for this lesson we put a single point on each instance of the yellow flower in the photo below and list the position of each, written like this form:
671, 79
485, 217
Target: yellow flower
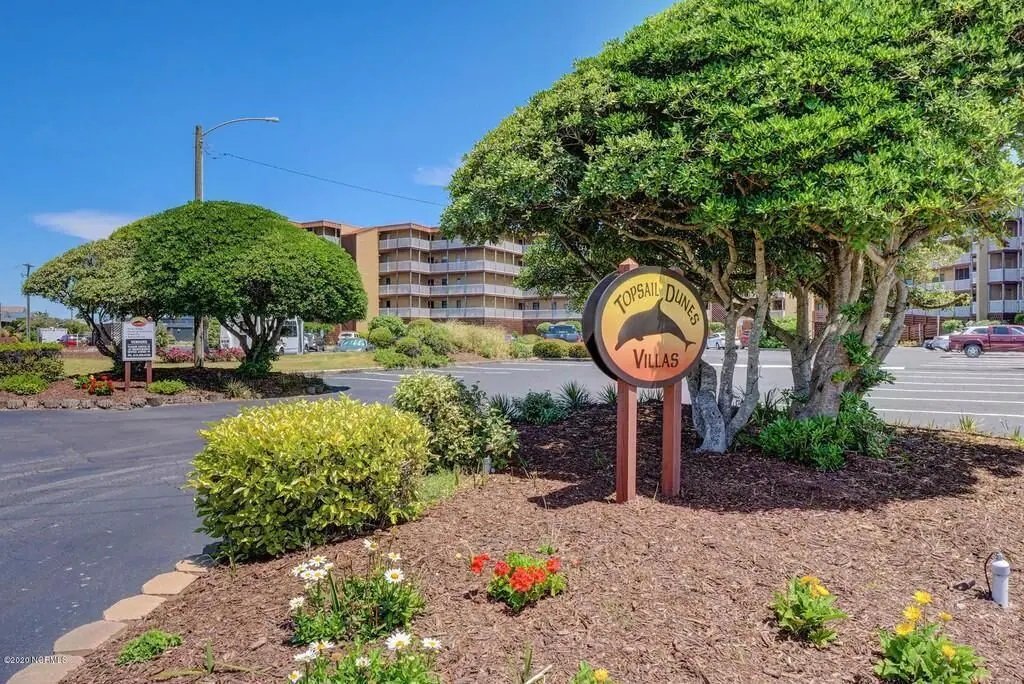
809, 580
922, 597
948, 651
601, 675
912, 613
904, 628
819, 590
945, 617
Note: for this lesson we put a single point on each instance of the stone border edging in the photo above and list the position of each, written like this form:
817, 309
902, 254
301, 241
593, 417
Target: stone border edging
70, 649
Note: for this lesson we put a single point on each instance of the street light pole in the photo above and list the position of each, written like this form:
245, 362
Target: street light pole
199, 323
28, 307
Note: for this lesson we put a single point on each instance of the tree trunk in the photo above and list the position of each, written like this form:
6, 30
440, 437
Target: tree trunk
198, 335
707, 417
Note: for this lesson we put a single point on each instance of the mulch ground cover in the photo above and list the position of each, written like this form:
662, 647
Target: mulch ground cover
205, 384
668, 591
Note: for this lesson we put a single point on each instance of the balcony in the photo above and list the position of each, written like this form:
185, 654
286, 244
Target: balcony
1004, 275
475, 289
404, 289
476, 265
399, 243
457, 243
963, 285
407, 312
964, 311
404, 266
551, 314
1004, 306
963, 259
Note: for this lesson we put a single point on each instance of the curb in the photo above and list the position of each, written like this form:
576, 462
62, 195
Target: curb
138, 402
70, 649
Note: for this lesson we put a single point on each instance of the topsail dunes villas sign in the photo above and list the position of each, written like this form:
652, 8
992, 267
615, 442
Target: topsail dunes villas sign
645, 327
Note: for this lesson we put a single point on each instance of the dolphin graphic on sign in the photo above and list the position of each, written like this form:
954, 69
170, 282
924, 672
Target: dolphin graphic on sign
653, 321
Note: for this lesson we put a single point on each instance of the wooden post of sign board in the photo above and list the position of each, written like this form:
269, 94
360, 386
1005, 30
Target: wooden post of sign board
149, 372
625, 431
127, 375
672, 440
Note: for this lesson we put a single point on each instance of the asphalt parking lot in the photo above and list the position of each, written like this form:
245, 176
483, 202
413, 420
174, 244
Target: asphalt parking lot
91, 504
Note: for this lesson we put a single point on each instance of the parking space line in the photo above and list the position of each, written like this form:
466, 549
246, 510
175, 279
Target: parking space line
945, 391
948, 401
390, 382
966, 376
933, 384
950, 413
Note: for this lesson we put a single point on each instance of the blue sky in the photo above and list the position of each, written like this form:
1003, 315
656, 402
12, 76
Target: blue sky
100, 100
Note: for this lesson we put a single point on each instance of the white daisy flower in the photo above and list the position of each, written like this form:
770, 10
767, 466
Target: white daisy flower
431, 644
299, 569
297, 602
362, 661
307, 575
399, 640
394, 557
321, 646
308, 585
294, 676
369, 545
319, 574
319, 560
326, 566
394, 576
307, 656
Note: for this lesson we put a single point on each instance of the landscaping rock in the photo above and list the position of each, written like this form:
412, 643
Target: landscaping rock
133, 608
69, 403
15, 403
87, 403
51, 403
105, 403
87, 638
31, 404
139, 401
47, 673
155, 401
168, 583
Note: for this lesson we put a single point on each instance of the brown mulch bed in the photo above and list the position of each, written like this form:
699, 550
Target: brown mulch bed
205, 384
666, 591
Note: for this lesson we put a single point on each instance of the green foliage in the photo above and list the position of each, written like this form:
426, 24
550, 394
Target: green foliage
236, 389
436, 338
164, 338
863, 363
503, 405
408, 345
256, 366
280, 477
381, 337
357, 606
578, 351
393, 324
805, 609
608, 395
521, 350
42, 359
865, 432
411, 665
529, 339
651, 396
552, 349
462, 431
810, 441
147, 646
578, 325
23, 383
543, 327
486, 341
572, 396
523, 579
389, 358
1019, 319
952, 325
586, 674
918, 650
539, 408
167, 387
716, 327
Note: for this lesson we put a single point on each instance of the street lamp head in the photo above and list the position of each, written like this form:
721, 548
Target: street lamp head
273, 119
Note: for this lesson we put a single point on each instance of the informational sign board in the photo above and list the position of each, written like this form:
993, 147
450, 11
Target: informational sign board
138, 339
646, 326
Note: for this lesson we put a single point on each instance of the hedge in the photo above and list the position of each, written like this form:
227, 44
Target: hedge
34, 358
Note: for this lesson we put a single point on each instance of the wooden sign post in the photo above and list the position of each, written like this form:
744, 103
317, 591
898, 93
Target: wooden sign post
138, 343
645, 327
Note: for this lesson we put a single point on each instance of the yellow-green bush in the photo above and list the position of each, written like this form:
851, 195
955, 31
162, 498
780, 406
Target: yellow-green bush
552, 349
276, 478
488, 342
42, 359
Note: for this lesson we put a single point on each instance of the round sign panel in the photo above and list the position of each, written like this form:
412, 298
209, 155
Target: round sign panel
649, 326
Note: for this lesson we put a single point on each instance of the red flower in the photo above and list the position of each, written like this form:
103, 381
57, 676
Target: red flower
538, 575
521, 580
476, 565
554, 565
501, 569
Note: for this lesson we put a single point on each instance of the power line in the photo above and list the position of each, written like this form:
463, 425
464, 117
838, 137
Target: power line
323, 178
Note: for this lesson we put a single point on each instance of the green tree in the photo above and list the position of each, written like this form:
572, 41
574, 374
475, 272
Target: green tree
798, 145
102, 282
246, 266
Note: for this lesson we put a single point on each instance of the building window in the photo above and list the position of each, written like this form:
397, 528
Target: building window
520, 306
554, 305
778, 305
430, 281
444, 305
444, 281
1012, 291
1011, 260
458, 303
962, 273
387, 303
387, 281
430, 305
535, 306
995, 260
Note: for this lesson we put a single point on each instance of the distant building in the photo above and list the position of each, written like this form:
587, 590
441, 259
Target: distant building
412, 271
9, 314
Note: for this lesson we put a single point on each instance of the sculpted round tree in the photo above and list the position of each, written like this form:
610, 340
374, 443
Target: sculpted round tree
795, 144
246, 266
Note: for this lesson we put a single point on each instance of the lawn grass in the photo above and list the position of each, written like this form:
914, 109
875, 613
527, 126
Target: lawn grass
437, 487
81, 364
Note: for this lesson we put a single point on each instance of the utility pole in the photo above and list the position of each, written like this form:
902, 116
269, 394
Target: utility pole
199, 164
28, 307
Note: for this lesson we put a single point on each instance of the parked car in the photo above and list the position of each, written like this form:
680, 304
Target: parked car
348, 335
940, 342
718, 341
989, 338
353, 344
562, 332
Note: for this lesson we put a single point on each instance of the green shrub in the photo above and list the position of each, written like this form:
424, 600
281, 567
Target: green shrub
434, 337
429, 359
529, 339
521, 579
608, 395
23, 383
354, 607
256, 368
865, 432
815, 442
551, 349
236, 389
411, 664
408, 345
381, 338
280, 477
462, 432
503, 405
393, 324
538, 408
805, 609
578, 325
416, 326
573, 396
578, 351
167, 387
486, 341
543, 328
33, 358
952, 326
389, 358
1019, 319
520, 350
716, 327
147, 646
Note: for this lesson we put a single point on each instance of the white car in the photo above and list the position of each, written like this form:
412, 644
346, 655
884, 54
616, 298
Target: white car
716, 341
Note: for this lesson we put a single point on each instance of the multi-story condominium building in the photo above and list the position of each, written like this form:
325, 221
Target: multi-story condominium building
412, 271
991, 273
